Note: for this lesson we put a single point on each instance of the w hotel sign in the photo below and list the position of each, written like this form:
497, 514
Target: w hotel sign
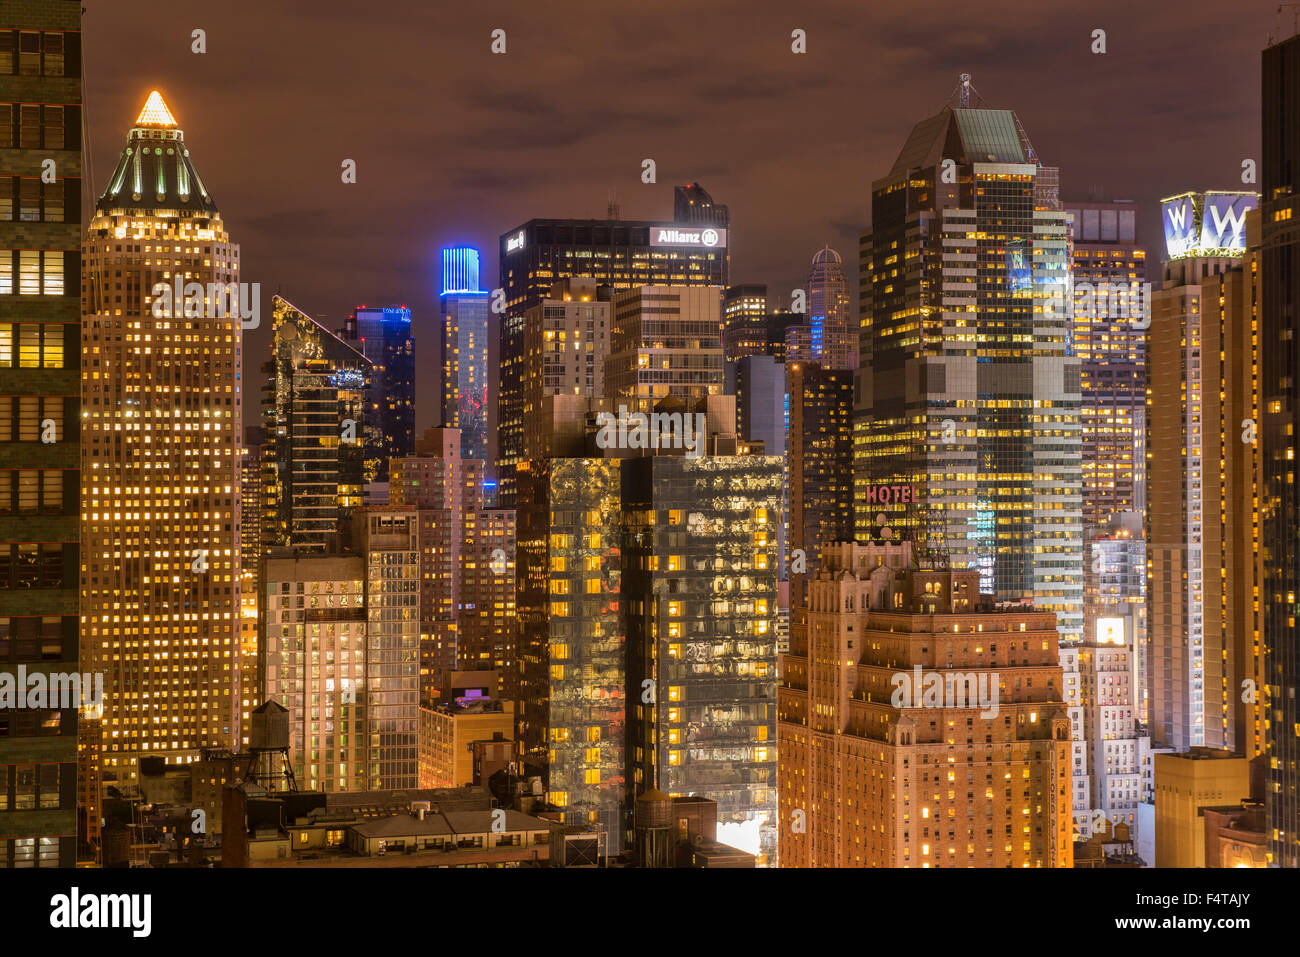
1206, 224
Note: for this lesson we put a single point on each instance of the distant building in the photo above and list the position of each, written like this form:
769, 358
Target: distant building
383, 335
566, 337
467, 564
342, 639
1111, 309
466, 319
744, 321
317, 439
826, 336
820, 470
665, 342
620, 253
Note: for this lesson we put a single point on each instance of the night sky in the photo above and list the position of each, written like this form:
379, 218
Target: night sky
456, 145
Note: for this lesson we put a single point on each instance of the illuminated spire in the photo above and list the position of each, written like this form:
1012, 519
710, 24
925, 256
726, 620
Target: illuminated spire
155, 112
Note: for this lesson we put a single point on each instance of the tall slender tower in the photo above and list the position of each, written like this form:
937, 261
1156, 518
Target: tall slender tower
383, 335
160, 532
466, 319
1280, 345
968, 394
40, 420
826, 337
313, 412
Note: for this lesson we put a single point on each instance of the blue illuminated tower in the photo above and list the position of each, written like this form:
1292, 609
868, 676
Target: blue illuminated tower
465, 351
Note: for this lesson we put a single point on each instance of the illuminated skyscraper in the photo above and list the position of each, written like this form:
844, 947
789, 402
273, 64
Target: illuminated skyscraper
383, 335
744, 321
620, 253
969, 392
467, 566
1203, 526
162, 394
693, 204
341, 655
573, 710
1279, 263
826, 337
40, 420
1110, 311
700, 602
821, 466
465, 330
920, 725
664, 342
566, 339
313, 411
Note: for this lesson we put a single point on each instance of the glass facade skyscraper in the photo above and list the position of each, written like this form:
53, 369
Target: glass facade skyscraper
969, 391
383, 335
465, 330
316, 433
572, 715
700, 599
621, 253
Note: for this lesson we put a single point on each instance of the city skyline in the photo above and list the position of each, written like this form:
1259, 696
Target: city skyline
522, 151
864, 440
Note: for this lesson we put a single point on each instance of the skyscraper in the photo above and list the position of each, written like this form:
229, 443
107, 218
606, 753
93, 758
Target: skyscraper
573, 709
1280, 363
383, 335
969, 392
1109, 271
467, 565
341, 655
566, 338
313, 411
664, 342
826, 337
693, 204
699, 595
621, 253
162, 394
40, 418
919, 724
821, 467
744, 321
465, 330
1202, 526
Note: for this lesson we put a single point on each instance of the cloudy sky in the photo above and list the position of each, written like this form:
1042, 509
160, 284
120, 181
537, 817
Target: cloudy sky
454, 144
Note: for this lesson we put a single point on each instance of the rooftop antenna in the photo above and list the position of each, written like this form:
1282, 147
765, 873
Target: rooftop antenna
612, 209
963, 93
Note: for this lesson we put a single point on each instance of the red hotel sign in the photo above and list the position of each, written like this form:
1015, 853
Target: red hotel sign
890, 495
